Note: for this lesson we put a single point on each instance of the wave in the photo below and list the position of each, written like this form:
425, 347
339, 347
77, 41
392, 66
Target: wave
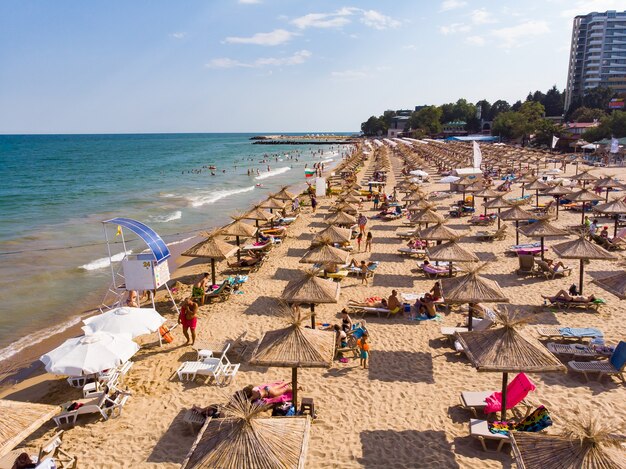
273, 172
328, 160
177, 215
104, 261
174, 243
167, 195
214, 196
34, 338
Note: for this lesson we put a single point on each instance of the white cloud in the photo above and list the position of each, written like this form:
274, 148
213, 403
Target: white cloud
482, 16
294, 59
582, 7
410, 47
249, 2
178, 35
448, 5
377, 20
475, 40
518, 35
324, 20
454, 28
274, 38
349, 75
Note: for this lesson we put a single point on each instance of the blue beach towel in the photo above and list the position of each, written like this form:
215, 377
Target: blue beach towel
618, 359
580, 332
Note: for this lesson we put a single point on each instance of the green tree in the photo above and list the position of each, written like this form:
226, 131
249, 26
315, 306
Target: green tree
613, 125
585, 114
373, 126
516, 105
498, 107
598, 98
508, 125
387, 117
545, 129
553, 101
485, 108
427, 120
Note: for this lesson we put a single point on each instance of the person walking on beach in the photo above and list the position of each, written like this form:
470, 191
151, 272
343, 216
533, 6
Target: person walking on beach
368, 242
364, 349
188, 318
359, 238
362, 221
376, 201
313, 203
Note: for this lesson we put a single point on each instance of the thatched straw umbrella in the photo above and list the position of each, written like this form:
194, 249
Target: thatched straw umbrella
582, 249
542, 229
239, 229
311, 289
439, 232
349, 199
417, 205
426, 215
20, 419
507, 350
585, 177
345, 207
613, 208
333, 234
558, 191
284, 194
325, 253
273, 204
450, 252
537, 186
584, 196
257, 214
586, 444
295, 347
614, 283
472, 288
516, 213
341, 218
526, 179
487, 193
497, 203
212, 248
607, 183
245, 440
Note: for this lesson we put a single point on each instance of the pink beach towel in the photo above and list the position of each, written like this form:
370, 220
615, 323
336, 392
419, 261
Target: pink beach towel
288, 396
516, 391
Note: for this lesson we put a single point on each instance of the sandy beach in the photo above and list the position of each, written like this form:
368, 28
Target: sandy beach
402, 412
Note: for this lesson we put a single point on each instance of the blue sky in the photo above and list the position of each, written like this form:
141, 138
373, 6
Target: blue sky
268, 65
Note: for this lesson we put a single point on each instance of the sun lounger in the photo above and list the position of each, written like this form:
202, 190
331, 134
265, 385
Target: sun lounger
613, 366
222, 292
220, 370
51, 450
338, 276
355, 270
420, 253
105, 405
569, 332
575, 350
477, 325
595, 304
493, 235
527, 265
256, 247
491, 401
482, 220
433, 272
550, 273
406, 233
480, 429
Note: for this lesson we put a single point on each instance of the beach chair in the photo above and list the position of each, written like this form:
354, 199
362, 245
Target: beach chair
574, 350
405, 234
593, 305
222, 292
480, 429
431, 271
563, 332
613, 366
494, 235
420, 253
51, 449
526, 265
194, 419
482, 220
106, 405
477, 325
491, 401
363, 310
551, 274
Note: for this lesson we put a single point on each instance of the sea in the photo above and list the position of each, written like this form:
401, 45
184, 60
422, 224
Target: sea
57, 189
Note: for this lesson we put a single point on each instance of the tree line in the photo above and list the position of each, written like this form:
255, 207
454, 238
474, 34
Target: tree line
517, 121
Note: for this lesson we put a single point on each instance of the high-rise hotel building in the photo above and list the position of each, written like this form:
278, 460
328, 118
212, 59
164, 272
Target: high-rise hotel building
598, 54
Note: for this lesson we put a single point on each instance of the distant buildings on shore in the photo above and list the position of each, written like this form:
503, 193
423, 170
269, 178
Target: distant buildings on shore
597, 54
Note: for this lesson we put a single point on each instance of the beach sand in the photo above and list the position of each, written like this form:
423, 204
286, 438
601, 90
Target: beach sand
402, 412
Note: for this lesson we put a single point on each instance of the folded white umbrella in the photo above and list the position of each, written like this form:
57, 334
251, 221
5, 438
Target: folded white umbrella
449, 179
89, 354
133, 321
419, 172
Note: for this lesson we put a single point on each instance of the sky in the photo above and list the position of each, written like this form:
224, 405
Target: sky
269, 65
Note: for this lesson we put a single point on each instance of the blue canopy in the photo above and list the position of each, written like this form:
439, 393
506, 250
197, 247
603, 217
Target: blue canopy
155, 243
471, 138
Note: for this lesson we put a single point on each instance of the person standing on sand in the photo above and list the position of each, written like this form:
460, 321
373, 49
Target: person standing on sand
364, 348
376, 201
199, 288
362, 221
359, 238
313, 203
368, 242
188, 318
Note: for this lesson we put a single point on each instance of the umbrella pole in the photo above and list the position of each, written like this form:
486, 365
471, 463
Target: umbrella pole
294, 387
450, 268
607, 194
516, 232
582, 270
505, 382
558, 202
256, 222
213, 270
522, 191
542, 249
485, 203
615, 230
312, 315
582, 218
470, 311
537, 197
238, 250
498, 218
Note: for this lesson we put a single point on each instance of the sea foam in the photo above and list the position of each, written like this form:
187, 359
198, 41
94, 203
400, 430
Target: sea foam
177, 215
273, 172
104, 261
214, 196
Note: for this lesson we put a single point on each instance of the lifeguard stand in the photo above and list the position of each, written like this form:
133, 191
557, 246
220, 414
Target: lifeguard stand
147, 271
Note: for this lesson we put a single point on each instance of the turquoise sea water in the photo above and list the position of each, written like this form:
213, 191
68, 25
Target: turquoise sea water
56, 190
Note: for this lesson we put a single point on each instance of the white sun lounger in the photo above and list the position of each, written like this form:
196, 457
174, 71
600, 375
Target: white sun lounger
103, 405
412, 252
478, 325
576, 350
480, 429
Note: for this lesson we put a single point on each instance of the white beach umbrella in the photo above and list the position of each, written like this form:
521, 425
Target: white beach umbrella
89, 354
133, 321
449, 179
419, 172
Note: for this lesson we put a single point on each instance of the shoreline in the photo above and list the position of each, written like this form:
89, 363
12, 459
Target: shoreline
24, 364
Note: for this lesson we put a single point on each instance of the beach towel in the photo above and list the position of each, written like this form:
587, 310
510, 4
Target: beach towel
516, 391
525, 246
426, 318
535, 422
580, 332
619, 356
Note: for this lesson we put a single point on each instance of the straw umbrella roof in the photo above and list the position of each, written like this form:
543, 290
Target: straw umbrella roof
584, 176
19, 420
516, 213
614, 283
212, 248
464, 182
333, 234
536, 185
341, 218
239, 228
506, 349
473, 288
584, 195
450, 251
413, 196
311, 289
349, 199
345, 207
498, 202
616, 207
607, 182
417, 205
542, 229
475, 186
586, 445
284, 194
582, 248
439, 232
427, 215
487, 193
257, 214
325, 254
273, 203
245, 440
559, 189
527, 178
